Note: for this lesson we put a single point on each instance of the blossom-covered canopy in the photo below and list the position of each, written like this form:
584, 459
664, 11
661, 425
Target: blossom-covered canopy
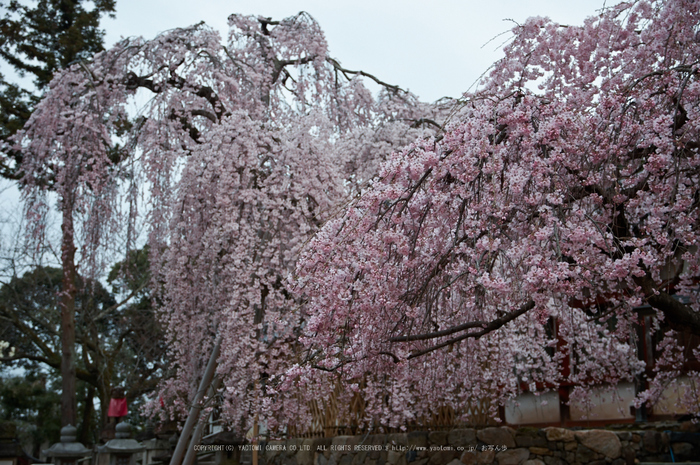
562, 198
232, 155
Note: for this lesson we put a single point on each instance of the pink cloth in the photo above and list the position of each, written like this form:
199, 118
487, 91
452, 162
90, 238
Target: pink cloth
117, 408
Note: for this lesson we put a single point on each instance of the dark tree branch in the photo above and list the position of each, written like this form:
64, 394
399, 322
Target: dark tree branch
145, 385
429, 121
264, 22
52, 362
133, 82
280, 66
207, 114
346, 72
679, 315
104, 313
441, 333
389, 354
30, 333
345, 362
490, 327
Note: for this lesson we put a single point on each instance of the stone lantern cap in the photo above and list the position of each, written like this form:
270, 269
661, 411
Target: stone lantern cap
122, 444
68, 447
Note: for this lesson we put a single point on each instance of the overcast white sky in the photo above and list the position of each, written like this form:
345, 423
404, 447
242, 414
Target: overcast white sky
433, 48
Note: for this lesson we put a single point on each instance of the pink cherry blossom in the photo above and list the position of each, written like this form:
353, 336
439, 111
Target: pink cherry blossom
562, 196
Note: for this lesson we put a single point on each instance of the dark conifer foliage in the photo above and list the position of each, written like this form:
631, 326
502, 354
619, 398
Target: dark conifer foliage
37, 39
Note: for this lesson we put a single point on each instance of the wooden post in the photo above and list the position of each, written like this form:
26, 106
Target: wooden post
193, 417
197, 436
255, 440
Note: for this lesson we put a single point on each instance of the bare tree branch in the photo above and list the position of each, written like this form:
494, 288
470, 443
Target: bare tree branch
346, 71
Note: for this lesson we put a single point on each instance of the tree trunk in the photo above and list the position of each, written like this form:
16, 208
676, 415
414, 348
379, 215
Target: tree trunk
86, 433
68, 394
105, 395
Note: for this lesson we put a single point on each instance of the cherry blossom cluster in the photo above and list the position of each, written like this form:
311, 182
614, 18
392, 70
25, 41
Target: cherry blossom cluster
514, 250
233, 155
511, 249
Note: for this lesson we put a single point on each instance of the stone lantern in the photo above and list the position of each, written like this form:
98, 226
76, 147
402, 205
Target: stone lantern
122, 450
10, 451
68, 451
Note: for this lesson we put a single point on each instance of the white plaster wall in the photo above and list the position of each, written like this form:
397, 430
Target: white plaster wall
607, 404
528, 408
670, 402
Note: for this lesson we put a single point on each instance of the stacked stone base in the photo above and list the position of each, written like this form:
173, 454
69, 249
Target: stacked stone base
497, 445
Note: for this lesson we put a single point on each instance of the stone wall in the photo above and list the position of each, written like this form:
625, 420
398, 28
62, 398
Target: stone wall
497, 445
